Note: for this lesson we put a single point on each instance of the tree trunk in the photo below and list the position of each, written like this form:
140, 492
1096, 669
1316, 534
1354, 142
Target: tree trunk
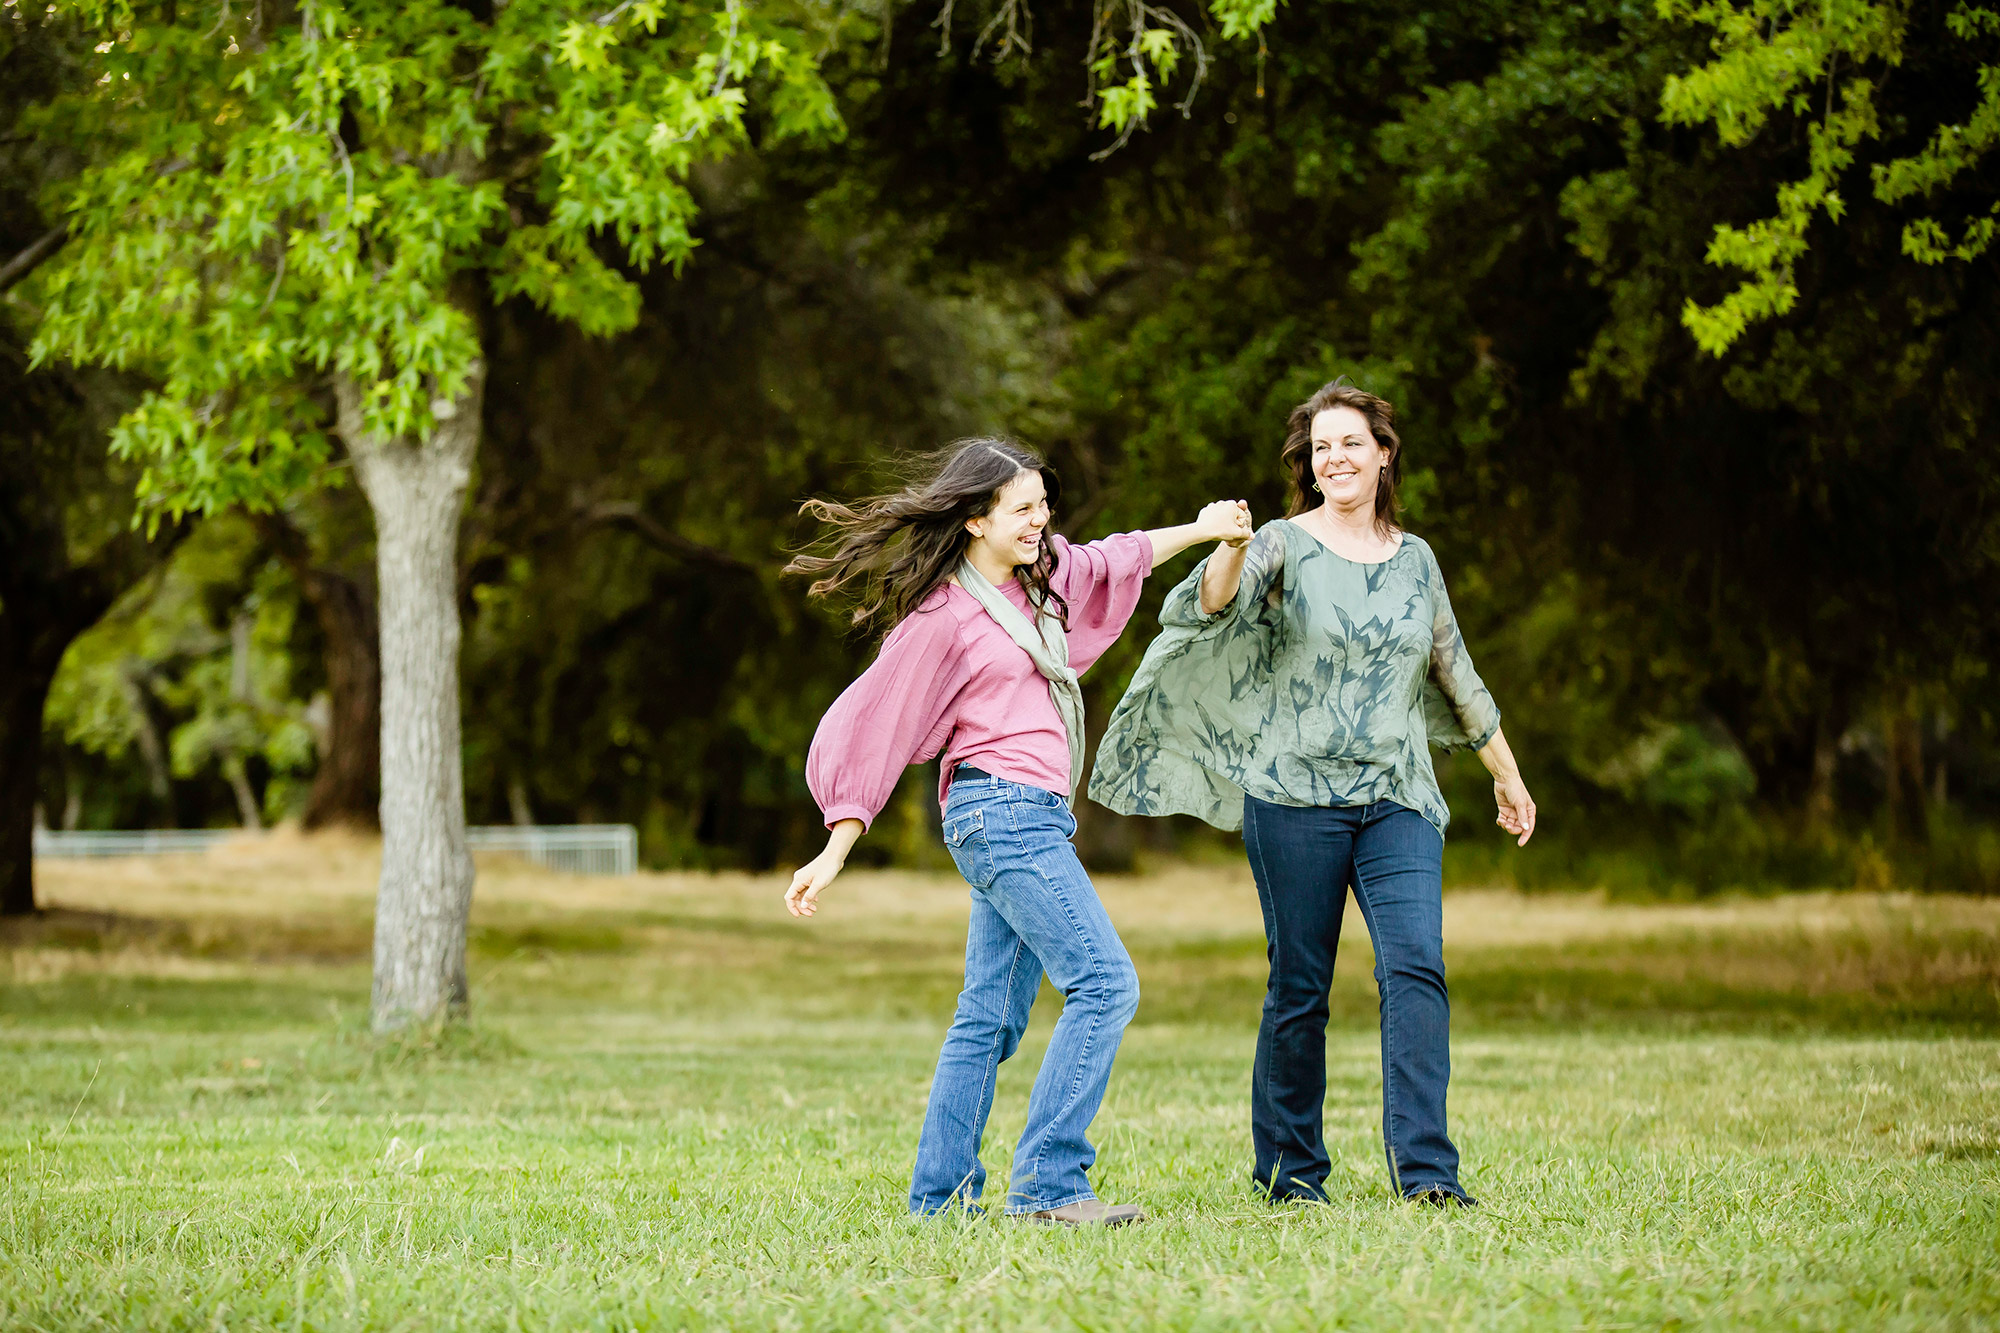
517, 803
45, 602
346, 788
1908, 820
247, 813
1825, 767
22, 693
417, 491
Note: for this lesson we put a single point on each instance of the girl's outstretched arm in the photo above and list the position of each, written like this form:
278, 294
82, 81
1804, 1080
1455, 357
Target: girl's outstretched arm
802, 899
1225, 521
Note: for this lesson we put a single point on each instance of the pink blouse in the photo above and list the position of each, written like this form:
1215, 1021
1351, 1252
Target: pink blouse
948, 680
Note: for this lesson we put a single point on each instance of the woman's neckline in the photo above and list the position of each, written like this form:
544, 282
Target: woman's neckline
1402, 540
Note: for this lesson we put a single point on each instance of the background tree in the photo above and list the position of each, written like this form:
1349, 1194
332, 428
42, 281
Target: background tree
323, 539
66, 548
280, 199
277, 194
1733, 604
1712, 588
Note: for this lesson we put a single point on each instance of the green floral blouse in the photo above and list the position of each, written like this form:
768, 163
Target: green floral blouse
1323, 684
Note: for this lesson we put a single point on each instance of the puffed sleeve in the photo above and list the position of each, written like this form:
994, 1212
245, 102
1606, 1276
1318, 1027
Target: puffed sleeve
899, 711
1100, 581
1459, 712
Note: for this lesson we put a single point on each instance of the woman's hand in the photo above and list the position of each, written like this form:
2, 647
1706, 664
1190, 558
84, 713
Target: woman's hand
1231, 521
1517, 808
1225, 521
802, 899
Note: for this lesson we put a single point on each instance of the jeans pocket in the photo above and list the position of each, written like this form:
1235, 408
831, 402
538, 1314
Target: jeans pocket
958, 828
965, 838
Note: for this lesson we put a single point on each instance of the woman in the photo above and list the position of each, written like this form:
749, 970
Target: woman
1295, 692
994, 618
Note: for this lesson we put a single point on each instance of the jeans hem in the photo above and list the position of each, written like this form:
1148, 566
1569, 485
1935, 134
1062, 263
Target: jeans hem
1023, 1209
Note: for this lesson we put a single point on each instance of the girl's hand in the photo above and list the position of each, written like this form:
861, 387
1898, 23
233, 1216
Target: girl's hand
1517, 808
802, 899
1226, 521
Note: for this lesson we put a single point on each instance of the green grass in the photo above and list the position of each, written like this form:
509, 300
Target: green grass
686, 1110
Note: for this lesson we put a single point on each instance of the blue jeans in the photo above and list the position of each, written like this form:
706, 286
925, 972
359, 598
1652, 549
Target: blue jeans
1033, 911
1304, 859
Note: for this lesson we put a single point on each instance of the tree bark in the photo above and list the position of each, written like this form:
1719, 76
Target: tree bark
45, 602
1908, 819
1825, 766
238, 778
152, 744
346, 787
416, 490
22, 694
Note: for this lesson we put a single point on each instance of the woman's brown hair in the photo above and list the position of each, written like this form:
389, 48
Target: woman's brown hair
1380, 415
895, 550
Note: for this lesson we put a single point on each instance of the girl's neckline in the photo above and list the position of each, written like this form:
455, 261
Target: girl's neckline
1402, 540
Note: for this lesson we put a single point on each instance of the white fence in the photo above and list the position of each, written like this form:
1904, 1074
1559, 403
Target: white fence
580, 849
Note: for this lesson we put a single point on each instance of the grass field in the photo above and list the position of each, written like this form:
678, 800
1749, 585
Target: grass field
677, 1107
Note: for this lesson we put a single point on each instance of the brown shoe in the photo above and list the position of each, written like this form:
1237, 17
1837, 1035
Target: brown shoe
1091, 1212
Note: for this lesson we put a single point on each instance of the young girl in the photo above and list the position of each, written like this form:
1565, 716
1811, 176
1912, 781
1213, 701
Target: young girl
994, 619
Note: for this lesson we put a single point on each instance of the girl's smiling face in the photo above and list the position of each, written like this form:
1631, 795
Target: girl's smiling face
1013, 529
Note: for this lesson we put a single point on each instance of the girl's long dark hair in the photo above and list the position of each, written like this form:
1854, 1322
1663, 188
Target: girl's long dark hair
1296, 456
892, 551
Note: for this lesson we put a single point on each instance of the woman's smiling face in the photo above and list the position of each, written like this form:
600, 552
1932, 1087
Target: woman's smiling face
1347, 461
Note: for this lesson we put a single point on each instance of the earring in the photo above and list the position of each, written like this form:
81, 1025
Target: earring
1318, 487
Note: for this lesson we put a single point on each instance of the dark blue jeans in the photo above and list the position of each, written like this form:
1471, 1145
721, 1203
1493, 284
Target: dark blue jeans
1304, 859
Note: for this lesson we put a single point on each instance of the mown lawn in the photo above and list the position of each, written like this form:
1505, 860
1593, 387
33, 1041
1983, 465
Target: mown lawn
677, 1107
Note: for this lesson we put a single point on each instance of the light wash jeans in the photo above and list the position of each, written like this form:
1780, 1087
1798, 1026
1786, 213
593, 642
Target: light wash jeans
1033, 911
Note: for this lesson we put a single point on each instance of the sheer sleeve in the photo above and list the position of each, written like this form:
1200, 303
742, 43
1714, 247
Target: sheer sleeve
1459, 712
1263, 574
897, 712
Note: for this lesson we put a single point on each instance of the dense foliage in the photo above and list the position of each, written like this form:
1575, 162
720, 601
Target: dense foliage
1690, 310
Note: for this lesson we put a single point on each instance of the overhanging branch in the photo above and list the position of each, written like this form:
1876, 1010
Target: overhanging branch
629, 516
32, 258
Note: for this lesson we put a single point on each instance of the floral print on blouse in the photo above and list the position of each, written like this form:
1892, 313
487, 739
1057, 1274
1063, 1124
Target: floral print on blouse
1323, 684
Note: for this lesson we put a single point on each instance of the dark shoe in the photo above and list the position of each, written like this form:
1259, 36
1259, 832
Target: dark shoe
1437, 1198
1091, 1213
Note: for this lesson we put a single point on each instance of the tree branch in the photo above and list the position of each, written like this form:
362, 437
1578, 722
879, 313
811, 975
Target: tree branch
629, 516
32, 258
93, 585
